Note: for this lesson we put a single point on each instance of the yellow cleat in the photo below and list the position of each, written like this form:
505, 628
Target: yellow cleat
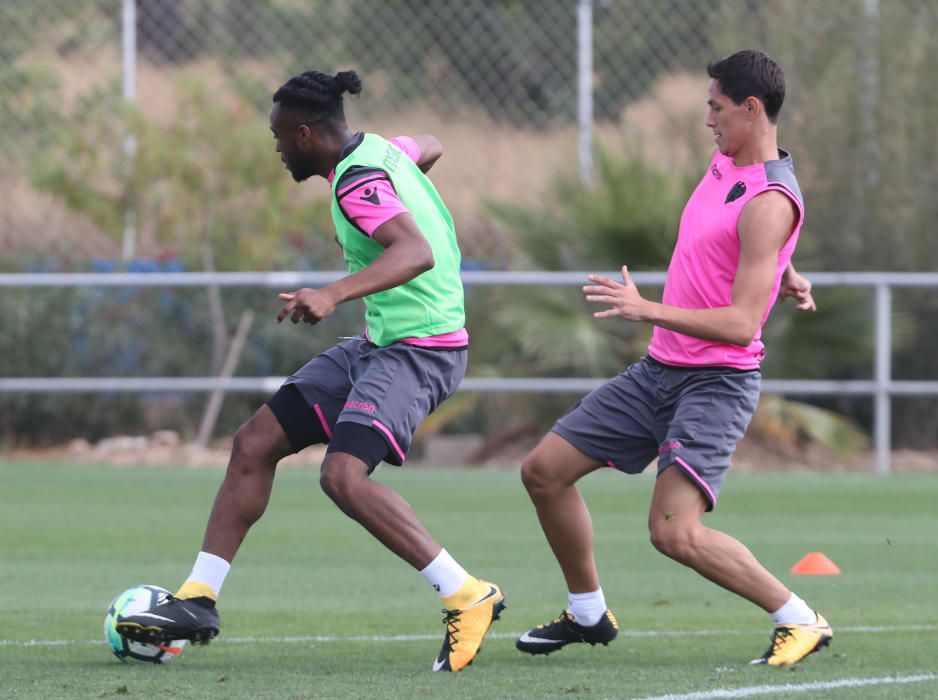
791, 643
465, 629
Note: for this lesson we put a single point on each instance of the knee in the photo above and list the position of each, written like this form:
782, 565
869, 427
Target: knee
673, 539
252, 449
536, 474
339, 484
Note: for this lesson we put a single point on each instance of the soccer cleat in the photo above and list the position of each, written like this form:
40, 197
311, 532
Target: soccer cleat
193, 619
565, 630
791, 643
465, 629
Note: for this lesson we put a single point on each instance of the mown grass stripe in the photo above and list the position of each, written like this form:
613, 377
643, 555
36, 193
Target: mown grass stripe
323, 639
754, 690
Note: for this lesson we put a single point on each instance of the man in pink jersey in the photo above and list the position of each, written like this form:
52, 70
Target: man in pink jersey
689, 401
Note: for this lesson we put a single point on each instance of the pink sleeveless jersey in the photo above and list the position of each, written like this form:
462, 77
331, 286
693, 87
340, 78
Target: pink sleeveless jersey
706, 255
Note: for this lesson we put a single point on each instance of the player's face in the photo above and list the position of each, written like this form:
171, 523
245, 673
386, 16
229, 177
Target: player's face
293, 144
731, 123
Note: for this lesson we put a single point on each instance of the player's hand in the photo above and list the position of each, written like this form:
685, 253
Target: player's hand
798, 287
307, 305
622, 296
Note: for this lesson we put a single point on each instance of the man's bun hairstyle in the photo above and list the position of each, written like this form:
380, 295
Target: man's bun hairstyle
318, 96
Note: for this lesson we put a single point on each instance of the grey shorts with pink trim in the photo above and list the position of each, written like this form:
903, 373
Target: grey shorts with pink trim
691, 417
391, 389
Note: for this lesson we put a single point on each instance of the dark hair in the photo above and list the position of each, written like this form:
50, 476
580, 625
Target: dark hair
317, 95
751, 73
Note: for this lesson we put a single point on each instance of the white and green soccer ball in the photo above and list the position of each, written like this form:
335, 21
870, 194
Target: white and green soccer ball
131, 601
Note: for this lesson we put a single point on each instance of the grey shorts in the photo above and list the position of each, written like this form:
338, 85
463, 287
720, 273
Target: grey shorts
390, 389
692, 417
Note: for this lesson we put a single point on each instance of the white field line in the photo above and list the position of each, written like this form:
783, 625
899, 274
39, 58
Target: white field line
327, 639
754, 690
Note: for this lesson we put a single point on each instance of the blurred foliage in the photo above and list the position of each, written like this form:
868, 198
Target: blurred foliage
489, 57
858, 122
28, 92
173, 31
793, 427
139, 332
207, 188
66, 24
629, 217
210, 176
858, 118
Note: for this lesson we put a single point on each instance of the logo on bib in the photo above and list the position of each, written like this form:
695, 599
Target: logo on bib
739, 189
370, 194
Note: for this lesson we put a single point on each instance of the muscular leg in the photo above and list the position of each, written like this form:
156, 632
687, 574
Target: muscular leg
380, 510
243, 496
549, 474
674, 522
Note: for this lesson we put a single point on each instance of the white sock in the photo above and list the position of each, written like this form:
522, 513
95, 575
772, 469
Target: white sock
445, 574
210, 570
794, 612
587, 608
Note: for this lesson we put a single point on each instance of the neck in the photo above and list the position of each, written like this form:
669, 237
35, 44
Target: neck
336, 141
761, 146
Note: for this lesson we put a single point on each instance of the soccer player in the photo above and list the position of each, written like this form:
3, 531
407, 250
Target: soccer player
366, 396
690, 399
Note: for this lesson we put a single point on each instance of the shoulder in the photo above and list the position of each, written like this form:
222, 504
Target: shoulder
770, 201
780, 174
769, 216
356, 176
408, 145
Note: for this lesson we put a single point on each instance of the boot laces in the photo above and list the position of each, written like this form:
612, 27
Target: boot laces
451, 618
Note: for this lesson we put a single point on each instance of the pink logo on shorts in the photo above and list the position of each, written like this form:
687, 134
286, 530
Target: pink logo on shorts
360, 404
668, 446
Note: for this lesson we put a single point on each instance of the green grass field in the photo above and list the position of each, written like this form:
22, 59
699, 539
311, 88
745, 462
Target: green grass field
314, 608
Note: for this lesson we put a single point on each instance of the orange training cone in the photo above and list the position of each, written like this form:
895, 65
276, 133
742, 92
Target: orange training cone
815, 564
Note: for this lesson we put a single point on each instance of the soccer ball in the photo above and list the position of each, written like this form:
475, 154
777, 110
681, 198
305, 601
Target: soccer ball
134, 600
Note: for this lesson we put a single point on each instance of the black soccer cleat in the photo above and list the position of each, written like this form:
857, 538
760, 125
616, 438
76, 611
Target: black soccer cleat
565, 630
192, 619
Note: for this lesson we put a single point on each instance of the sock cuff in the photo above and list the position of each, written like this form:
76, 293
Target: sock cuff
586, 596
208, 574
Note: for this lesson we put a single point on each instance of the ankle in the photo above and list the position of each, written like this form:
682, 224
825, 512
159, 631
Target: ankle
471, 590
196, 589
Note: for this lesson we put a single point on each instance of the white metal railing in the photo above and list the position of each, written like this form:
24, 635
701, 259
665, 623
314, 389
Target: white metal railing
881, 387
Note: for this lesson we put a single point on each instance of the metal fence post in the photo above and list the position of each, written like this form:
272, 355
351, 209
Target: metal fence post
882, 427
584, 110
129, 54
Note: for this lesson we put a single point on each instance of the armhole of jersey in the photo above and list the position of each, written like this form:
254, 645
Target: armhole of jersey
358, 176
792, 197
784, 189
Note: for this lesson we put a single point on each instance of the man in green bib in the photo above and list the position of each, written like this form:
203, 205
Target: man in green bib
366, 396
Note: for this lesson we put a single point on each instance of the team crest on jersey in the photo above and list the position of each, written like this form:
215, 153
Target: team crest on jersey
738, 190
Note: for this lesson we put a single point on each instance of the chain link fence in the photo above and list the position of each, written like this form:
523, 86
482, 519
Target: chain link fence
496, 79
134, 136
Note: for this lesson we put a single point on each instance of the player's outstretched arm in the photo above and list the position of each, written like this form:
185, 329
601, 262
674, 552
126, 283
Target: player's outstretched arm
407, 254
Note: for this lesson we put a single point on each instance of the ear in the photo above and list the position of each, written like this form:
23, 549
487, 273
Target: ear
304, 135
753, 106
